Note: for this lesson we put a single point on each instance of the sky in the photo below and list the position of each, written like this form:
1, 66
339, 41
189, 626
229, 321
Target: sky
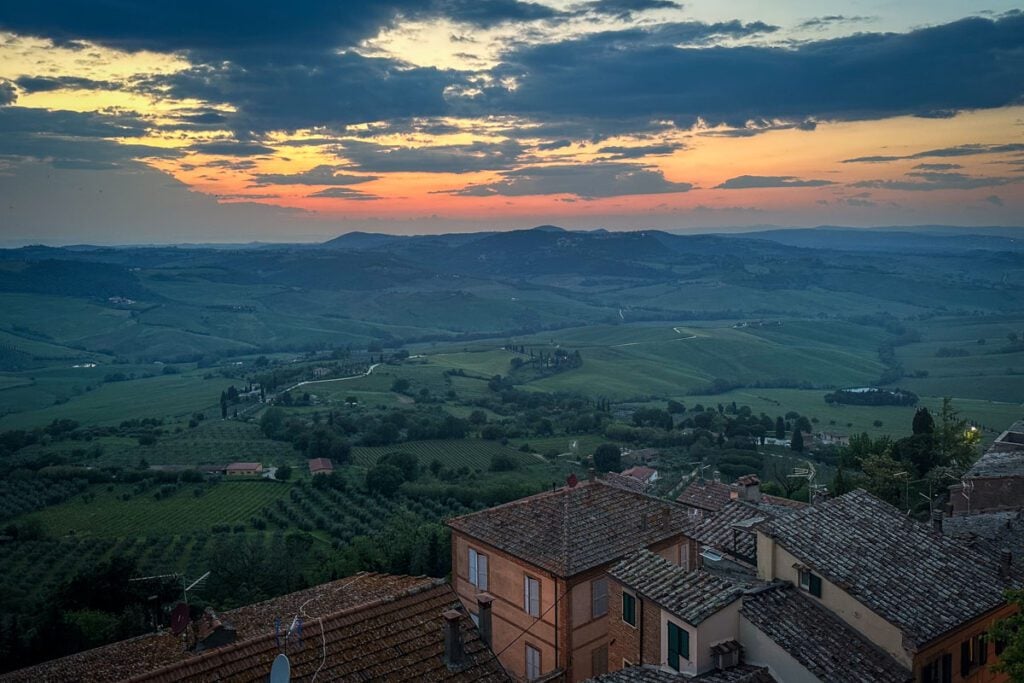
229, 121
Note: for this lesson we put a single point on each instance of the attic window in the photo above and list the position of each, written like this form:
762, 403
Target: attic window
810, 582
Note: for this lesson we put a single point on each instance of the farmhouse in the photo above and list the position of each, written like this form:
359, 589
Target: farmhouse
645, 475
320, 466
244, 469
543, 560
364, 627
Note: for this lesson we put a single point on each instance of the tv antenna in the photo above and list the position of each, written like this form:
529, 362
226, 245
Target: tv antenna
810, 474
198, 584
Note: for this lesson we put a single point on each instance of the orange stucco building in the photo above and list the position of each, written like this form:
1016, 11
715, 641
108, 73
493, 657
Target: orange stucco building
544, 560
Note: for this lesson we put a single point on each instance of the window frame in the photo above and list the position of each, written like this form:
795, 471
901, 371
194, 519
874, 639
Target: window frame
477, 569
539, 668
594, 597
632, 612
529, 597
810, 582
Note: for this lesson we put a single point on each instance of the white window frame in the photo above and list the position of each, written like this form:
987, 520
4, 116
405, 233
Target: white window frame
531, 595
478, 569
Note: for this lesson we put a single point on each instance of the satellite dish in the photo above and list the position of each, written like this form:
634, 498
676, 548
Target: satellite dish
281, 671
179, 618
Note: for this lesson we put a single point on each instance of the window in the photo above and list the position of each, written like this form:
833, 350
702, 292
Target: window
938, 671
678, 645
810, 582
478, 569
599, 661
531, 596
973, 653
532, 662
628, 608
599, 597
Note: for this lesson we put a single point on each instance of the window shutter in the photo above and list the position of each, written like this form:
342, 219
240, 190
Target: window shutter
965, 657
535, 599
482, 576
815, 585
684, 643
673, 646
526, 594
472, 566
947, 668
629, 609
983, 648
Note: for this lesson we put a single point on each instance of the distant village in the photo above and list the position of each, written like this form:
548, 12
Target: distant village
597, 580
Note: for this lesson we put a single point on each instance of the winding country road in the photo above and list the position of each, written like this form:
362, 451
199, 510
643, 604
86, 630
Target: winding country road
677, 330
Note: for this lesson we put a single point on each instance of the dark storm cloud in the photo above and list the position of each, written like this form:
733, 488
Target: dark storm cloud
320, 90
31, 84
624, 9
318, 175
343, 193
820, 23
746, 182
70, 123
231, 148
968, 64
8, 93
243, 30
467, 158
621, 152
553, 145
927, 181
958, 151
587, 181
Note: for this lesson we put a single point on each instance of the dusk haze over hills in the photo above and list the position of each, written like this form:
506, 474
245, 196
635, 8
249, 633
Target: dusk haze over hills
513, 341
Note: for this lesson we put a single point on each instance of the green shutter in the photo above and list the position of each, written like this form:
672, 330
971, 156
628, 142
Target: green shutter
629, 609
673, 646
678, 645
815, 585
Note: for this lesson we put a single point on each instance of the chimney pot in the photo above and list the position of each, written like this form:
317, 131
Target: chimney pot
591, 474
483, 602
937, 521
1005, 562
717, 476
452, 638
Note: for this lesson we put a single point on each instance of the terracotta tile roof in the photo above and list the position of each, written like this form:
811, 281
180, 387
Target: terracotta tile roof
624, 482
990, 532
245, 467
571, 530
693, 596
712, 496
922, 582
731, 530
320, 465
355, 608
823, 643
706, 495
639, 472
998, 463
744, 673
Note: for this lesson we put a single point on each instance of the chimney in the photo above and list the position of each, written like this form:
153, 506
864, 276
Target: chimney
452, 639
937, 521
750, 487
591, 474
483, 602
1005, 562
717, 476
